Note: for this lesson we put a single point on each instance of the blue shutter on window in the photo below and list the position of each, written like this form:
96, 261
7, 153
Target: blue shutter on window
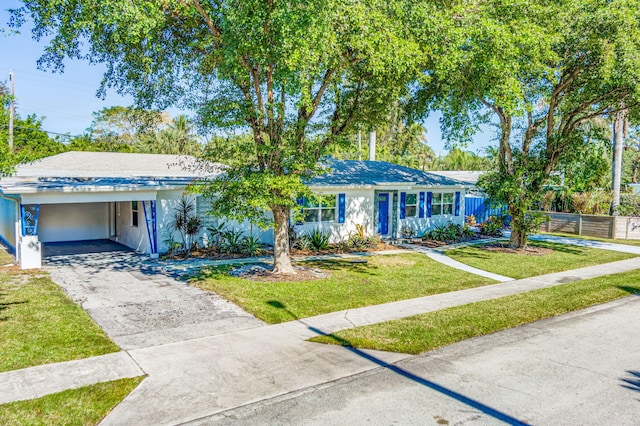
429, 203
342, 208
403, 204
457, 206
421, 206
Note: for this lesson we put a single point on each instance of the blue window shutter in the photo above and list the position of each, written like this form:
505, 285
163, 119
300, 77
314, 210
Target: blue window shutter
403, 205
429, 203
457, 206
342, 208
421, 206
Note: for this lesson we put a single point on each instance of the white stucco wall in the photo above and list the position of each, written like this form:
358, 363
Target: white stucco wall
131, 236
8, 218
73, 222
358, 211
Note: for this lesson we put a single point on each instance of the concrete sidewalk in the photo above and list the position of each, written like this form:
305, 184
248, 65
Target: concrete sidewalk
198, 378
624, 248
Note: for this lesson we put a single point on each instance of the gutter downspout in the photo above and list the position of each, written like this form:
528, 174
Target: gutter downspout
17, 212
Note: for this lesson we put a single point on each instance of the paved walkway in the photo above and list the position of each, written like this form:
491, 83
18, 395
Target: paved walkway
201, 377
439, 256
624, 248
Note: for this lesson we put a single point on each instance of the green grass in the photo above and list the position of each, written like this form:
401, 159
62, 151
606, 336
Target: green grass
425, 332
383, 279
39, 324
518, 266
5, 257
582, 237
83, 406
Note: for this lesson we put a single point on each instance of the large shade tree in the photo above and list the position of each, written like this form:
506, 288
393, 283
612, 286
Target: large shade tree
542, 71
298, 74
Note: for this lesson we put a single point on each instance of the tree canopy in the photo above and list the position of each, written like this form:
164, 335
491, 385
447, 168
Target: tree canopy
298, 74
543, 71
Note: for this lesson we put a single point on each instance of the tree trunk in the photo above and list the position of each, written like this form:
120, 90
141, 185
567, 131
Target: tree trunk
519, 231
281, 258
616, 166
518, 239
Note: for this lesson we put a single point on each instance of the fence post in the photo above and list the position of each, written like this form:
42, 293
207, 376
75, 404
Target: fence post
612, 228
579, 224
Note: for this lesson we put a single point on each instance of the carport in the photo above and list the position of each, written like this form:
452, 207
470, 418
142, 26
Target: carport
83, 210
91, 196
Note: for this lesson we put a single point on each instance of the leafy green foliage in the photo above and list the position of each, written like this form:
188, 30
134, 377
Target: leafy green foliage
317, 239
451, 232
185, 222
492, 227
297, 75
544, 71
630, 205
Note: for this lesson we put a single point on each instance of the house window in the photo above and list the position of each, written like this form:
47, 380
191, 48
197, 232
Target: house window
442, 203
319, 209
411, 205
134, 213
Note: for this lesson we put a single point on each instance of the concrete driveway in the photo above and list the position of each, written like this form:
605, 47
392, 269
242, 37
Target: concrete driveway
136, 304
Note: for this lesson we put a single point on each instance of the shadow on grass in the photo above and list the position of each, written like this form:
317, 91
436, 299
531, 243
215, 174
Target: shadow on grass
490, 411
6, 305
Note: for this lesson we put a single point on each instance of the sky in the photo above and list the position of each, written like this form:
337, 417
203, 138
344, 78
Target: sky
67, 100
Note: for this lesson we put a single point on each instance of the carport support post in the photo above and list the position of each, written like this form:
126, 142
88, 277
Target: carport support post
150, 218
29, 248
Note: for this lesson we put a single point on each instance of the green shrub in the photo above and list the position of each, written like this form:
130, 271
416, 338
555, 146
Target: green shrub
232, 242
450, 232
317, 239
630, 205
492, 227
252, 246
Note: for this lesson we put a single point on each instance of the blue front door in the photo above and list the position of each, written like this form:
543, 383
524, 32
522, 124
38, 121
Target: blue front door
383, 214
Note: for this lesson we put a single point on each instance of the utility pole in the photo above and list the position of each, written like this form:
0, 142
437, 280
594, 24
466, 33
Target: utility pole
359, 146
11, 108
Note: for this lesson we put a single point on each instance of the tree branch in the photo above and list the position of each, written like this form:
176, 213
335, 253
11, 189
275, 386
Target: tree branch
215, 30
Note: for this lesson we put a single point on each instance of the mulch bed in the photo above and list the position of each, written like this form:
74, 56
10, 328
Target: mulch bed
436, 244
203, 253
527, 251
262, 272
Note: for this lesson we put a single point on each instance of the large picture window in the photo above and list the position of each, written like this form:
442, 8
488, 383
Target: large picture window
320, 209
442, 203
411, 205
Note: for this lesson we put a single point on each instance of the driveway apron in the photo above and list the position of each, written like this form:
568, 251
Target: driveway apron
137, 305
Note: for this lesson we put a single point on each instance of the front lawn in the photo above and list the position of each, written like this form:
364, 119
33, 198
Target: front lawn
384, 278
563, 258
84, 406
39, 324
428, 331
